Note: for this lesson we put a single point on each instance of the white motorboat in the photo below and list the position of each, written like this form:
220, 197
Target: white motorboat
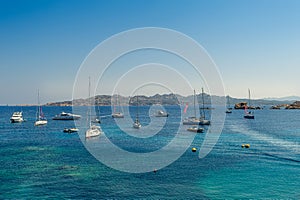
161, 113
195, 129
66, 116
191, 121
70, 130
117, 115
228, 111
17, 117
96, 120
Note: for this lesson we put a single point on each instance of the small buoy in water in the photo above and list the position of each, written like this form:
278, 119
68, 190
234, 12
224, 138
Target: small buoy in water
155, 170
194, 149
245, 145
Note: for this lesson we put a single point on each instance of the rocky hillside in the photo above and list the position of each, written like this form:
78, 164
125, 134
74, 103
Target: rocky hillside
169, 99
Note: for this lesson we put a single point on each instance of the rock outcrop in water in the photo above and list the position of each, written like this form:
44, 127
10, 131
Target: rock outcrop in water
277, 107
242, 105
295, 105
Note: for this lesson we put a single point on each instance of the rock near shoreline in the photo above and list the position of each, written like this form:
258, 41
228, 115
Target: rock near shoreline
243, 105
295, 105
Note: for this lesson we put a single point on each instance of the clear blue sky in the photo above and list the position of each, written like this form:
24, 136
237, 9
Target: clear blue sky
254, 43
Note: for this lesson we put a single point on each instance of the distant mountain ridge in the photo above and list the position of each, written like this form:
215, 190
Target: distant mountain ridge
287, 98
166, 99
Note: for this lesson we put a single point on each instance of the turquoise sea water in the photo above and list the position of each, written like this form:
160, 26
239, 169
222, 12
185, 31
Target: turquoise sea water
44, 162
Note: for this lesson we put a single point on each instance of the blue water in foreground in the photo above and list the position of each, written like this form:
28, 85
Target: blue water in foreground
44, 162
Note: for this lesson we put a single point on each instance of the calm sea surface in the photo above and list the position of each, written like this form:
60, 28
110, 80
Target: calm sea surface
44, 162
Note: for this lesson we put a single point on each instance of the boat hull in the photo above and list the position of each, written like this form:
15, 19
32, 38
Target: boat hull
191, 122
117, 115
40, 122
195, 130
93, 131
249, 116
162, 115
196, 122
16, 120
70, 130
204, 122
66, 118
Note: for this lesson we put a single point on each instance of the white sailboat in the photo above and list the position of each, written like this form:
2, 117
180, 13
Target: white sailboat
203, 121
40, 118
192, 120
248, 114
119, 113
97, 118
137, 123
93, 130
229, 109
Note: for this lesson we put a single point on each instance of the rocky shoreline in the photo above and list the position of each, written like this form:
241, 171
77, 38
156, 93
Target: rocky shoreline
295, 105
243, 105
175, 99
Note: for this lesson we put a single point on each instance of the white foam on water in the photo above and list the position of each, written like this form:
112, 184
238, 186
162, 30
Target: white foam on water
292, 146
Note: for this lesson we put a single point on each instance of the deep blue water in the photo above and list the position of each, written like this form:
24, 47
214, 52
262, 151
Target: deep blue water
44, 162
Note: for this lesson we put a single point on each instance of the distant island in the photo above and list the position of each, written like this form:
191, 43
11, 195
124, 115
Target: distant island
176, 99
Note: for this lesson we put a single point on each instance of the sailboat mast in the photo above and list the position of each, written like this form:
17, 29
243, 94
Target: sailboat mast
203, 103
194, 103
114, 101
38, 97
249, 97
118, 102
89, 109
120, 107
137, 109
38, 107
228, 103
